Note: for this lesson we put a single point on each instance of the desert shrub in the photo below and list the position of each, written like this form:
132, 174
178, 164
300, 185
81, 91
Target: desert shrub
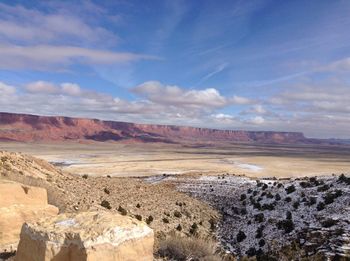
249, 191
312, 201
323, 188
106, 204
269, 195
266, 206
108, 176
106, 190
122, 210
194, 229
259, 217
328, 198
261, 242
257, 205
279, 185
343, 179
179, 204
251, 252
289, 215
277, 197
338, 193
313, 179
149, 220
138, 217
177, 214
212, 223
290, 189
288, 199
244, 211
85, 176
320, 206
264, 186
165, 220
179, 227
296, 204
305, 184
255, 193
179, 248
329, 222
138, 205
259, 232
243, 197
240, 236
287, 225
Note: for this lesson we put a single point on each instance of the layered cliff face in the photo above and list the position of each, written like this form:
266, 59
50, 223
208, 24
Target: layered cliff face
22, 127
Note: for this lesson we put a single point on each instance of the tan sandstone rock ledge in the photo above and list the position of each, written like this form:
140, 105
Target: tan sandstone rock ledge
20, 203
86, 236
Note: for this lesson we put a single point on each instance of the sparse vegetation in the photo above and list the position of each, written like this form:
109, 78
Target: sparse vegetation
122, 211
177, 214
290, 189
194, 229
241, 236
149, 220
106, 204
179, 248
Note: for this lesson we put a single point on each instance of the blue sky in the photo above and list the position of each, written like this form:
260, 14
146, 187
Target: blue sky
255, 65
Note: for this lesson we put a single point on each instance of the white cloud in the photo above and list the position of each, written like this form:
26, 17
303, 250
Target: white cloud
257, 120
6, 89
41, 87
172, 95
31, 26
71, 89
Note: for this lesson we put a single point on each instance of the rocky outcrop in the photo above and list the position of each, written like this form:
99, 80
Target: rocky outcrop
22, 127
18, 204
86, 236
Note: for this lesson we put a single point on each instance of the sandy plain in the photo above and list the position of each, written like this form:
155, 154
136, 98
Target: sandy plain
118, 159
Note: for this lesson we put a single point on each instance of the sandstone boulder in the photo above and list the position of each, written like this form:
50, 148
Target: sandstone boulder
18, 204
86, 236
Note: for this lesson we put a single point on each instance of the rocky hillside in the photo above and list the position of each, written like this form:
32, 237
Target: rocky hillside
29, 128
290, 219
159, 205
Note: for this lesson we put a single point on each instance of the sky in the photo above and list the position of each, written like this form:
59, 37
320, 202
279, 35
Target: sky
250, 65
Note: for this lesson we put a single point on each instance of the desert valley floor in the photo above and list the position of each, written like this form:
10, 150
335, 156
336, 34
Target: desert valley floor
120, 160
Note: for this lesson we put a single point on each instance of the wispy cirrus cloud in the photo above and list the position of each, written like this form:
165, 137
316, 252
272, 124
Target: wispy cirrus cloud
56, 39
45, 57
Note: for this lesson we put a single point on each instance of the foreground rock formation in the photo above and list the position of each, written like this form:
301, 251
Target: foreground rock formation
18, 204
22, 127
86, 236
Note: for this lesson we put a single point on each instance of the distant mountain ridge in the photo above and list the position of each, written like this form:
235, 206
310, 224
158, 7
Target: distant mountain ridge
29, 128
